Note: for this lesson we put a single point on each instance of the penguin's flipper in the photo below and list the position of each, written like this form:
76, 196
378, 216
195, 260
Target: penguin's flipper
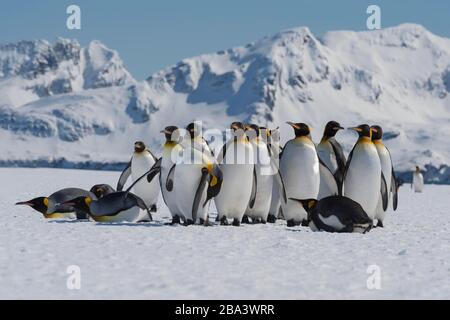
281, 187
153, 156
339, 154
199, 193
170, 178
150, 174
215, 184
394, 190
254, 189
384, 192
347, 165
124, 177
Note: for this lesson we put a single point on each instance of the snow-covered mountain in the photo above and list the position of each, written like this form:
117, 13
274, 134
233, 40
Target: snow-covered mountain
64, 105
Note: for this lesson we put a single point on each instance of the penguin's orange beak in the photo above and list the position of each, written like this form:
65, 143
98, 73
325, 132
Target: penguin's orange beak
355, 129
25, 203
293, 125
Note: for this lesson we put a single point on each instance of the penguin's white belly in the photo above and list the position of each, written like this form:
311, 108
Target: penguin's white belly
363, 178
332, 221
386, 168
236, 190
148, 192
325, 152
187, 178
418, 182
299, 168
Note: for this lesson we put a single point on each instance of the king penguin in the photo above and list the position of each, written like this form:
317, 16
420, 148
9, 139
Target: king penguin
299, 166
332, 156
101, 190
363, 178
52, 207
121, 206
417, 181
388, 171
141, 161
264, 175
239, 185
197, 178
336, 214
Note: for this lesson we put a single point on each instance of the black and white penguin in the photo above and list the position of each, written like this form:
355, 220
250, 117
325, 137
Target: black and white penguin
417, 181
336, 214
388, 171
363, 178
273, 142
121, 206
141, 161
239, 179
299, 167
264, 175
332, 156
198, 179
52, 207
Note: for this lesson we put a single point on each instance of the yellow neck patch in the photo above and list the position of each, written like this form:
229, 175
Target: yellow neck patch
55, 215
88, 201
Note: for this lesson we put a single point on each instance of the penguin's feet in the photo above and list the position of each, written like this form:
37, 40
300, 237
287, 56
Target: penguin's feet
245, 219
217, 218
263, 221
305, 223
271, 218
224, 221
206, 222
175, 220
236, 222
380, 224
292, 223
81, 215
188, 222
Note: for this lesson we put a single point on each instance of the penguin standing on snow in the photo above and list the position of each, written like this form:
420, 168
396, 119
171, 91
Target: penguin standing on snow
141, 161
388, 171
363, 178
121, 206
336, 214
332, 157
417, 181
264, 177
299, 167
165, 167
198, 180
239, 180
52, 207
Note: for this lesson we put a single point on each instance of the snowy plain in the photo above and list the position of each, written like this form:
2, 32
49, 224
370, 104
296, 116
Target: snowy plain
155, 261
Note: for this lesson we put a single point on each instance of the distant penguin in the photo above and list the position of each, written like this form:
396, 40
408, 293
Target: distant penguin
52, 207
363, 178
336, 214
121, 206
239, 178
299, 167
197, 179
273, 142
101, 190
264, 175
417, 181
332, 156
388, 171
141, 161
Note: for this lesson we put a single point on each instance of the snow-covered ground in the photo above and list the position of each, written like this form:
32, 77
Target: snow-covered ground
250, 262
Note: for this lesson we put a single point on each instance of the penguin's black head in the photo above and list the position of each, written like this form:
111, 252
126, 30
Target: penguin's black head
417, 169
331, 129
193, 130
252, 131
39, 204
238, 128
308, 204
363, 130
80, 203
377, 132
100, 190
139, 146
300, 129
168, 131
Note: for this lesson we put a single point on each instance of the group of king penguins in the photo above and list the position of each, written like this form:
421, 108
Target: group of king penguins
252, 179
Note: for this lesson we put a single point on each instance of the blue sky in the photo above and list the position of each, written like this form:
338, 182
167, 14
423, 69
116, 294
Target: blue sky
150, 35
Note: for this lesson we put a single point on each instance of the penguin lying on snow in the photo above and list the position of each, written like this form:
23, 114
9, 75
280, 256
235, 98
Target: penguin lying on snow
113, 207
336, 214
53, 207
